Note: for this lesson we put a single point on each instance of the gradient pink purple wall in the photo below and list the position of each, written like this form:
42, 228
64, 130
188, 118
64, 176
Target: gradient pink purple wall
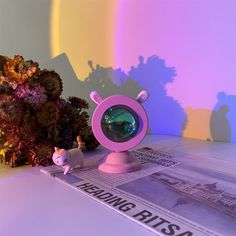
197, 38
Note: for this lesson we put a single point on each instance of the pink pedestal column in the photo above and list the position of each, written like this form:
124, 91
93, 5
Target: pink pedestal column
119, 162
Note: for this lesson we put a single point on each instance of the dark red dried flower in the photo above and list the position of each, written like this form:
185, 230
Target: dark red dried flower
48, 115
43, 154
52, 83
11, 111
78, 102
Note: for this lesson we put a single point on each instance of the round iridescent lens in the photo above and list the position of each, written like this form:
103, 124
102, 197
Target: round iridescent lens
120, 123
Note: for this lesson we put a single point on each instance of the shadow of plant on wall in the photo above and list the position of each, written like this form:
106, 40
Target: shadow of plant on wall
223, 118
166, 116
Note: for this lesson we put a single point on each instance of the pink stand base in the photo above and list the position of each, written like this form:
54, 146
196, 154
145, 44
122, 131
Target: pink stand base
119, 162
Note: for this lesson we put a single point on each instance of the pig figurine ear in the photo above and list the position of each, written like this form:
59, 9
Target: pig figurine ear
56, 149
96, 97
63, 150
142, 96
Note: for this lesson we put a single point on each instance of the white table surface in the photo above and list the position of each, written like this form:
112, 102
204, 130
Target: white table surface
32, 203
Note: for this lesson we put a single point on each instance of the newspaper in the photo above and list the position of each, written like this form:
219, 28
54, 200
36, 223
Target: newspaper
174, 193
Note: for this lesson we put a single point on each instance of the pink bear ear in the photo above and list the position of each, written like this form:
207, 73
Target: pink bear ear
96, 97
63, 150
142, 96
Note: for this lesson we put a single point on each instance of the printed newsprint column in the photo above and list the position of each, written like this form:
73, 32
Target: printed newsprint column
173, 193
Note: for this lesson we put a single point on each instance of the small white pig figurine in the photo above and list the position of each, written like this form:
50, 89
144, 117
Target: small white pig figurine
68, 159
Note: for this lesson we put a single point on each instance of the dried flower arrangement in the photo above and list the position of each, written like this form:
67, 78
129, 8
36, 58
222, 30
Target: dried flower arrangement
33, 116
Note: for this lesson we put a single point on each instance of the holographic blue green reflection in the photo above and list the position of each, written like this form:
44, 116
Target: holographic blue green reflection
119, 123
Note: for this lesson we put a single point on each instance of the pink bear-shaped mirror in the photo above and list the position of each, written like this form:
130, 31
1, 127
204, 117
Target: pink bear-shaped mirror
119, 123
